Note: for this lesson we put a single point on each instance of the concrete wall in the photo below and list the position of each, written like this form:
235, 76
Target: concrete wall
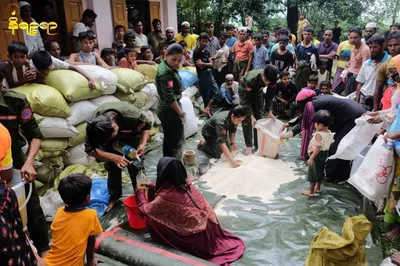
169, 13
104, 22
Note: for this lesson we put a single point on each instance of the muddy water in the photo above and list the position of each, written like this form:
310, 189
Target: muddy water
280, 232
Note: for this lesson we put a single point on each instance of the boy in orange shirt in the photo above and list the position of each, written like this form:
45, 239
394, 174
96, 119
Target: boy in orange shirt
74, 226
243, 50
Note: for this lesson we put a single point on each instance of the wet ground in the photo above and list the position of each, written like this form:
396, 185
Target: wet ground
280, 232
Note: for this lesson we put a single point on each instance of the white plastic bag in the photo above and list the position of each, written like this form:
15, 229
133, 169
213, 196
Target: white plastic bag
152, 97
55, 127
78, 156
190, 126
103, 77
105, 99
81, 111
357, 139
190, 92
50, 203
387, 262
268, 135
374, 176
149, 115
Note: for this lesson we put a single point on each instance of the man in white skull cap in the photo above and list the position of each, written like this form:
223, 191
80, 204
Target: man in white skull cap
370, 29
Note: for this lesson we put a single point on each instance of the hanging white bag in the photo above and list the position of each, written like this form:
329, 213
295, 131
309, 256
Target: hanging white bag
374, 176
268, 136
357, 139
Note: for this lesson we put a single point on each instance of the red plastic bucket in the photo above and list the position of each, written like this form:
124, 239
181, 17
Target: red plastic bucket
132, 210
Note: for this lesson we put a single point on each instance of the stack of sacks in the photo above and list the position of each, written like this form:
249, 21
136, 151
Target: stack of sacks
130, 85
50, 110
74, 87
149, 71
150, 108
189, 82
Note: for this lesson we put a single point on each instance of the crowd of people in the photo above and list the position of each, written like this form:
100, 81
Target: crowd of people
242, 76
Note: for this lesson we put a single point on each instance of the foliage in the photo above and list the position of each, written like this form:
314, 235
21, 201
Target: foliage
267, 13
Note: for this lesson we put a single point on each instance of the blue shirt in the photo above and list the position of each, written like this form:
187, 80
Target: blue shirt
289, 47
260, 57
231, 41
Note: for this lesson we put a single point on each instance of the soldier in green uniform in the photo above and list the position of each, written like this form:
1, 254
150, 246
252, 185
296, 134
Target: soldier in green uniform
251, 96
219, 134
169, 109
112, 126
17, 116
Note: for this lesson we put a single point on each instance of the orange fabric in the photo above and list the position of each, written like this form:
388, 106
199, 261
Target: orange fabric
5, 147
71, 231
387, 99
125, 64
396, 61
243, 50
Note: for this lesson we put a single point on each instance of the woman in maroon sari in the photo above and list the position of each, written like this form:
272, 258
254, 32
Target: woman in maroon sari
180, 217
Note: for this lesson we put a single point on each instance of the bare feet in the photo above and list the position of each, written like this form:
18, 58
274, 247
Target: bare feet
111, 205
317, 191
200, 144
307, 193
396, 258
395, 233
249, 151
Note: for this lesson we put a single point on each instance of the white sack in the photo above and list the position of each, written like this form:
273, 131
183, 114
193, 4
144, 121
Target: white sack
190, 92
357, 139
374, 177
104, 99
152, 96
81, 111
56, 127
190, 126
149, 115
78, 156
104, 77
268, 135
157, 120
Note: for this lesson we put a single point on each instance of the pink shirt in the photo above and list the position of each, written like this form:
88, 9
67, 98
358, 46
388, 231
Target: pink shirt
358, 57
125, 64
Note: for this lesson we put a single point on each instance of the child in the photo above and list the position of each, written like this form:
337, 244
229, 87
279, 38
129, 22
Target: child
312, 83
285, 96
42, 62
85, 56
108, 55
208, 87
130, 42
186, 55
54, 49
17, 69
118, 43
326, 89
318, 151
145, 56
243, 50
129, 61
74, 226
260, 53
323, 73
162, 50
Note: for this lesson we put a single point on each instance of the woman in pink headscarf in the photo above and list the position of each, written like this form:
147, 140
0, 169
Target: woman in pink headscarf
343, 111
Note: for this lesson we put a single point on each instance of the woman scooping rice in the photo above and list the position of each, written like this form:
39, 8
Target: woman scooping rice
169, 110
219, 134
344, 112
180, 217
